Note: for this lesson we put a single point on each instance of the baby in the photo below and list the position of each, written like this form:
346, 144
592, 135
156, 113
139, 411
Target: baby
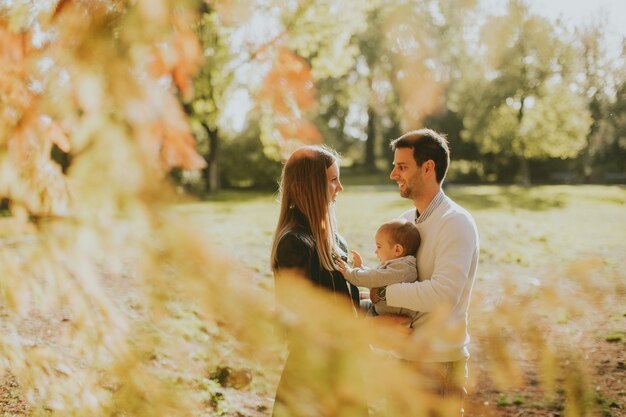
396, 246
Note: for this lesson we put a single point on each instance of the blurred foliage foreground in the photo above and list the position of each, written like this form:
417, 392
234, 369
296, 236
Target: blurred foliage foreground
172, 324
116, 302
546, 319
178, 317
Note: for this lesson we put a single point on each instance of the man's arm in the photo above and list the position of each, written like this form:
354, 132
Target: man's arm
454, 251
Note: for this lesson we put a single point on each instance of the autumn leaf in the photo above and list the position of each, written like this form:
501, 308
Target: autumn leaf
15, 97
45, 188
188, 59
159, 66
289, 85
302, 129
289, 90
164, 134
54, 133
232, 12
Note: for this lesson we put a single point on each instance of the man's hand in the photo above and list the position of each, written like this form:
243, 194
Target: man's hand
395, 322
358, 261
374, 295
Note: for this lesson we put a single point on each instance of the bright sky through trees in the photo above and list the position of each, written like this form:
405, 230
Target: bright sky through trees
580, 12
265, 26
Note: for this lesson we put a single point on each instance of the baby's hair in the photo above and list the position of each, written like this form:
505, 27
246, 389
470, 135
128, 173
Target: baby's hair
404, 233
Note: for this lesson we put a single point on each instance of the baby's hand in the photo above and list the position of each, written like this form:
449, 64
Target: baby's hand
358, 261
343, 268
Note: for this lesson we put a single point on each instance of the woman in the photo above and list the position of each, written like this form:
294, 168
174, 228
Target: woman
306, 243
305, 239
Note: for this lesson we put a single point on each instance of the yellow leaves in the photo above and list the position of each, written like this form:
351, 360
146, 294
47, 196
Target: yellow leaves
53, 132
14, 45
45, 190
29, 133
89, 92
96, 101
497, 35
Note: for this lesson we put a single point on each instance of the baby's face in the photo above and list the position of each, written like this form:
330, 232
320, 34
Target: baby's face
385, 249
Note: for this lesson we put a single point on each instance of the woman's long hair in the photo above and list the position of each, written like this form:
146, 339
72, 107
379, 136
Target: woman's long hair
304, 194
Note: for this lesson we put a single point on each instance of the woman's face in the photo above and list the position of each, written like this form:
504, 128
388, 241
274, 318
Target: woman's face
334, 185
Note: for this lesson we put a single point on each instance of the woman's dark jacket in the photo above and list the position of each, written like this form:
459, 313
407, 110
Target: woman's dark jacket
296, 249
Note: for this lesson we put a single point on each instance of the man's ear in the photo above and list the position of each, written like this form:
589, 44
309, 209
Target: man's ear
428, 167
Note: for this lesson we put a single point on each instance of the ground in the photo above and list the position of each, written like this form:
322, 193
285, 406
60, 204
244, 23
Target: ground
552, 255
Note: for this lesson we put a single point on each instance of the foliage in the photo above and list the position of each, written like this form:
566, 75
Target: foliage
140, 296
523, 107
246, 151
522, 349
94, 264
513, 92
301, 44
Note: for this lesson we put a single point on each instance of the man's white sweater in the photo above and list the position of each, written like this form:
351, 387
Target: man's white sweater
447, 260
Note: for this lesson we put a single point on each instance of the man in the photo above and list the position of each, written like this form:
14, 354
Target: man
447, 260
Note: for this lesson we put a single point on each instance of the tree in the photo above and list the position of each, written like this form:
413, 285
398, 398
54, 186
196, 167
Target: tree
400, 74
524, 107
299, 46
612, 158
210, 91
315, 45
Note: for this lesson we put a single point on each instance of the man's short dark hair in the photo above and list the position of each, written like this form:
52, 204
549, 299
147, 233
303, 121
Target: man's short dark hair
426, 144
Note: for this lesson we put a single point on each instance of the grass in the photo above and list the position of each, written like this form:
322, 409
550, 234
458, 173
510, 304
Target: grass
520, 228
615, 336
551, 275
551, 256
504, 400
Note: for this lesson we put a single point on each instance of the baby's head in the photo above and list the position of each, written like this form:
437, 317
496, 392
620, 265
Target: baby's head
395, 239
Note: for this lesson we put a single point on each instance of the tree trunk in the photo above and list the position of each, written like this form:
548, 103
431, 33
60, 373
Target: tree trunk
524, 171
370, 156
211, 172
524, 167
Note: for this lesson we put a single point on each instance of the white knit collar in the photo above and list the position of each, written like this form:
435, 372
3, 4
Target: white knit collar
432, 206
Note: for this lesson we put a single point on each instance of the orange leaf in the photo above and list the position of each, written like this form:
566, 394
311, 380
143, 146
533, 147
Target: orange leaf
289, 80
158, 67
47, 191
178, 147
55, 133
289, 89
189, 57
300, 129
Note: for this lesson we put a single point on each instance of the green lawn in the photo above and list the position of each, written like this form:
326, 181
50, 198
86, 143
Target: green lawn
522, 229
551, 273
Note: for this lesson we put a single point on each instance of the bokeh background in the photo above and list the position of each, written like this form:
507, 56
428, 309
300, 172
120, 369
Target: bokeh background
140, 148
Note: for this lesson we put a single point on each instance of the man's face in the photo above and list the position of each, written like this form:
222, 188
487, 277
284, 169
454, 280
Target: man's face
406, 173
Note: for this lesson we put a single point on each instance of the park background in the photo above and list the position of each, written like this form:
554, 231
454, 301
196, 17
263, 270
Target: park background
140, 147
